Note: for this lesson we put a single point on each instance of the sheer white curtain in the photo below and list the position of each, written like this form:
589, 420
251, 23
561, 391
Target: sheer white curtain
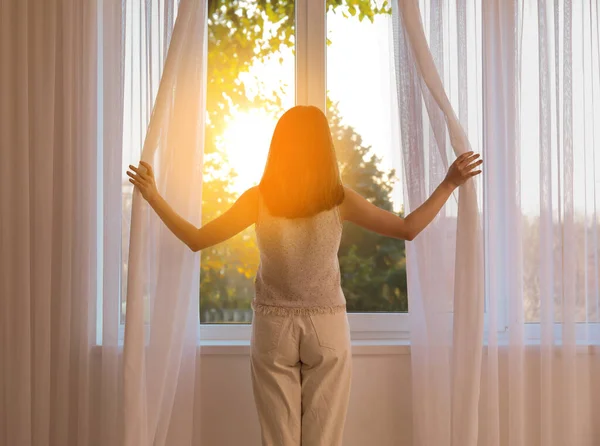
109, 376
63, 68
524, 77
161, 329
542, 241
445, 270
48, 203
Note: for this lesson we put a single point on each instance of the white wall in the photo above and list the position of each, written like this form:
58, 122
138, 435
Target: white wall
380, 402
379, 412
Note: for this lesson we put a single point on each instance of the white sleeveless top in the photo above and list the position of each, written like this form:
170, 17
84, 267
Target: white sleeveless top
299, 271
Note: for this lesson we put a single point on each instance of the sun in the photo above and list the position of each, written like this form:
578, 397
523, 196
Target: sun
246, 141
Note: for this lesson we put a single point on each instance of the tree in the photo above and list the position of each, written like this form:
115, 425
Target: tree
373, 267
240, 34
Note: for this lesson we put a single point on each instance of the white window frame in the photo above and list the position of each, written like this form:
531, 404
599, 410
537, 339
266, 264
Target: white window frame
367, 328
363, 327
311, 89
375, 328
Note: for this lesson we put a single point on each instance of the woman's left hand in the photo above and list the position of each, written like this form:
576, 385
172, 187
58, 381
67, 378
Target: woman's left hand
144, 181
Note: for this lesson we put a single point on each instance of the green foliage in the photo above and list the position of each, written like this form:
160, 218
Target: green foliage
373, 267
241, 33
364, 9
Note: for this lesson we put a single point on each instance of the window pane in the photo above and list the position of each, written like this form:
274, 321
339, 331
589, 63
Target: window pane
250, 83
145, 24
575, 241
360, 89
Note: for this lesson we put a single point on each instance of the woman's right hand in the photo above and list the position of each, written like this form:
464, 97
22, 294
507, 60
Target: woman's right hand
462, 169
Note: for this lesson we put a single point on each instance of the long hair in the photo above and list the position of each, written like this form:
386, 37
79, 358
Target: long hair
301, 176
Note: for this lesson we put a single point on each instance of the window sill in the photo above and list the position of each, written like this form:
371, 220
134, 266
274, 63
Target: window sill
375, 347
382, 347
242, 347
359, 348
385, 334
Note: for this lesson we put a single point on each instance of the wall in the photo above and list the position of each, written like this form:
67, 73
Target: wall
380, 401
379, 412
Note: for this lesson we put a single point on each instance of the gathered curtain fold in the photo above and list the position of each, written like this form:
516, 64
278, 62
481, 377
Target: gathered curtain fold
159, 358
505, 360
445, 263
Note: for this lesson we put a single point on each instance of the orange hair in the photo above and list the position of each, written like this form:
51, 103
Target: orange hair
301, 176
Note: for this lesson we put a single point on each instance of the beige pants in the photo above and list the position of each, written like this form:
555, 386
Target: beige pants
301, 372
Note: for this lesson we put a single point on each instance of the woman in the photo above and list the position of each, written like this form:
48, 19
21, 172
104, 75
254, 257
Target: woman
301, 360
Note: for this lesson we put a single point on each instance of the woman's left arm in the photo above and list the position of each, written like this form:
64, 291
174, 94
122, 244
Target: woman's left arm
237, 218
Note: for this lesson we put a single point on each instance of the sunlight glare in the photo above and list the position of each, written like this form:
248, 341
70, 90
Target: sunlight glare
246, 141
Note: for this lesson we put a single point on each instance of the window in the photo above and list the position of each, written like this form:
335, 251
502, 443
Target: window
253, 89
264, 57
251, 81
259, 65
585, 253
139, 95
361, 112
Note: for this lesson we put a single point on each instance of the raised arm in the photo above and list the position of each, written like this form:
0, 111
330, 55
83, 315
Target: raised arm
237, 218
358, 210
233, 221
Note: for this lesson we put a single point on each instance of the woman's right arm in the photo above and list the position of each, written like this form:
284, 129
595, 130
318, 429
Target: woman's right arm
358, 210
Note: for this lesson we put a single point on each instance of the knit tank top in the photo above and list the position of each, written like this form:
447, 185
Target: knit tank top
299, 271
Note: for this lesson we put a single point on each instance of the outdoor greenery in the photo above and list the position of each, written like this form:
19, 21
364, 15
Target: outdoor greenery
242, 33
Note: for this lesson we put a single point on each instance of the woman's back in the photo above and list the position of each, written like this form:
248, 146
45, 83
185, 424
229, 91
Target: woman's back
299, 270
